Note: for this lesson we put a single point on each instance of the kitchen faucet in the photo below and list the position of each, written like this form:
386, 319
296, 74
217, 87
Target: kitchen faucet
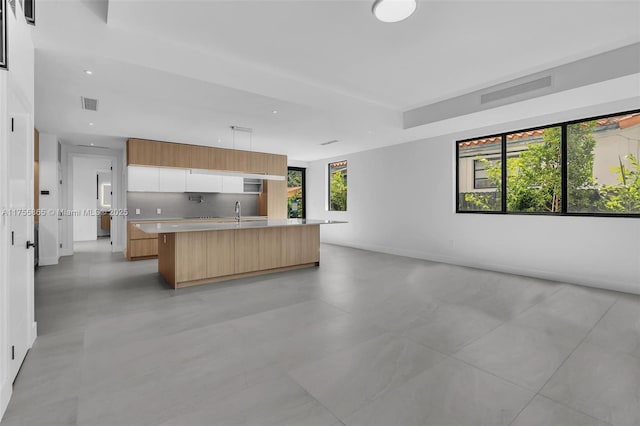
238, 210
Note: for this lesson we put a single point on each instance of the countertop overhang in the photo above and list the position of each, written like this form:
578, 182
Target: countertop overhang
167, 227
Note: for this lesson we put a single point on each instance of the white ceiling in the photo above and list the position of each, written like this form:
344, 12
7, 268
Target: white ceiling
186, 70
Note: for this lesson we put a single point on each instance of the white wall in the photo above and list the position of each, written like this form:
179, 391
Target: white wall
49, 244
401, 200
19, 81
84, 196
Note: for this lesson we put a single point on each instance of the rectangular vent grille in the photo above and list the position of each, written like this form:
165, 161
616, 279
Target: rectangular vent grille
89, 104
518, 89
329, 143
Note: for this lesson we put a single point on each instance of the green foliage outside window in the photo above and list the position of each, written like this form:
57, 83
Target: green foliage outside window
338, 191
534, 178
295, 205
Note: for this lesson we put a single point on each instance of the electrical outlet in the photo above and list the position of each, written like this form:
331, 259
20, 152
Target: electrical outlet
158, 211
137, 211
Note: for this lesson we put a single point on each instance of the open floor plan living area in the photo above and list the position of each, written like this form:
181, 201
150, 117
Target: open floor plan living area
322, 213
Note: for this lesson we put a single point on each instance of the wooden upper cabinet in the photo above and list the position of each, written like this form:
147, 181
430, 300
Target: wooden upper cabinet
240, 160
175, 155
277, 165
259, 163
142, 152
220, 159
199, 156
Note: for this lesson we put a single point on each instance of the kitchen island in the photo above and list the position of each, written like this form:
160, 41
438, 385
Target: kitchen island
193, 253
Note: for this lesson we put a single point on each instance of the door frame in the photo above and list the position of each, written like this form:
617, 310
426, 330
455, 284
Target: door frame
118, 199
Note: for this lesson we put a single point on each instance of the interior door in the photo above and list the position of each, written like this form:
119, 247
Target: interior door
20, 227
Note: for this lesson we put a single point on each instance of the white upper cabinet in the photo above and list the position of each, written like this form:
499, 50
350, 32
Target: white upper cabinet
160, 179
173, 180
143, 179
232, 184
203, 183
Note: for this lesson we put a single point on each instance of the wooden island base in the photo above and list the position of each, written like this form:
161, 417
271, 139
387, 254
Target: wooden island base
200, 257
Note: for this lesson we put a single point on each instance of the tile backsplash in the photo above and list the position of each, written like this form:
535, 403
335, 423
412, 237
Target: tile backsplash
177, 205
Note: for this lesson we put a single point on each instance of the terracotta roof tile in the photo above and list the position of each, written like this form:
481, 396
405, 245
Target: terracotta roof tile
622, 120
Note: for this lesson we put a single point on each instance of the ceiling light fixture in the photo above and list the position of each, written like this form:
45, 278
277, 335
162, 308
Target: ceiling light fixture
90, 124
88, 72
393, 10
275, 111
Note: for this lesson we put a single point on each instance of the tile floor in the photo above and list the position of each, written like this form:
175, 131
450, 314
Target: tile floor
366, 339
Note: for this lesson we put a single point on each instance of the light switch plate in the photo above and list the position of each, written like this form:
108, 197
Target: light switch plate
137, 211
158, 211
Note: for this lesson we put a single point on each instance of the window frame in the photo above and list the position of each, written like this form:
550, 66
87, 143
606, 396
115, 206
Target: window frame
329, 185
303, 171
31, 19
563, 170
4, 55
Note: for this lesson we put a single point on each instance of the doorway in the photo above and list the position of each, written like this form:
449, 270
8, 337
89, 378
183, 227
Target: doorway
296, 193
91, 195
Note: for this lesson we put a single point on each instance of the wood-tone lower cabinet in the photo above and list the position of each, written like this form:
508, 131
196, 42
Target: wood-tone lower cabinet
221, 250
140, 245
300, 245
270, 243
247, 243
143, 248
191, 258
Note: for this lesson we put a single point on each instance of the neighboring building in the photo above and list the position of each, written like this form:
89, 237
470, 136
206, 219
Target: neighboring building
616, 137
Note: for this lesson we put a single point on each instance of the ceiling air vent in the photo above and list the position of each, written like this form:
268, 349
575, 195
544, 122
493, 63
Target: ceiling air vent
89, 104
329, 142
518, 89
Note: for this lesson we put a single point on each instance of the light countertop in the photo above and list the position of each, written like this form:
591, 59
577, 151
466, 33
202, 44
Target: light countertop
167, 227
192, 219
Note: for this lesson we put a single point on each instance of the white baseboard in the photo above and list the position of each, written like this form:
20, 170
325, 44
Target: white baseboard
46, 261
5, 395
583, 280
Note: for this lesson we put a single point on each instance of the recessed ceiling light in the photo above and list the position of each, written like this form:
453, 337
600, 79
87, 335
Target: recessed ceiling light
92, 144
393, 10
88, 72
275, 111
90, 124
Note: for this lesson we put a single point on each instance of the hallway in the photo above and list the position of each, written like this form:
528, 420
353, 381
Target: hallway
366, 339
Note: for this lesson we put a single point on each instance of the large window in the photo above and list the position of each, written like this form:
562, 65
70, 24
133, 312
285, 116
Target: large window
604, 172
584, 167
480, 174
338, 186
296, 193
534, 171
